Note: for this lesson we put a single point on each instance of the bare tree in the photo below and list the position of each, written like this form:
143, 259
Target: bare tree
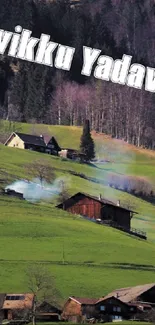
42, 170
64, 194
42, 284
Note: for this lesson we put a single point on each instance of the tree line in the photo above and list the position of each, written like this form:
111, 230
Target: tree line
34, 93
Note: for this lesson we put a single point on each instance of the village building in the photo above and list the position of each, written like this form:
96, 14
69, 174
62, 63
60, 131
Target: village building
17, 306
77, 309
102, 211
44, 144
110, 309
122, 304
127, 303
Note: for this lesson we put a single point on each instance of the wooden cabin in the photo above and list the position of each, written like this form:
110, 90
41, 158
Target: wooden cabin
40, 143
98, 209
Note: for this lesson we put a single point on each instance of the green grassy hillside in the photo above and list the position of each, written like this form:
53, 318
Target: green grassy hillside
97, 258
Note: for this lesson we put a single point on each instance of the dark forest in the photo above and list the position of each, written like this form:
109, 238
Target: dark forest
35, 93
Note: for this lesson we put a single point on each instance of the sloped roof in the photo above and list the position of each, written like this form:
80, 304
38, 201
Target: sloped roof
14, 303
129, 294
32, 139
84, 301
28, 138
102, 200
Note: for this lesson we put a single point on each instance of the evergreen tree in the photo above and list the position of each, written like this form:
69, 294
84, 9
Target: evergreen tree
87, 144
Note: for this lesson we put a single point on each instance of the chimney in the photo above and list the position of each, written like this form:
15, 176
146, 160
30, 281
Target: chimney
100, 197
118, 203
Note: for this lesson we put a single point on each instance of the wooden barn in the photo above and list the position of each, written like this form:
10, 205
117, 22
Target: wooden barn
40, 143
98, 208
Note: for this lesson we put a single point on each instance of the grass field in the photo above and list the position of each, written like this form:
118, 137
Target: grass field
87, 259
122, 323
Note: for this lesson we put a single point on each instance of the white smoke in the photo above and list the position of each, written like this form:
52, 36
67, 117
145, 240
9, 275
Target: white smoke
34, 191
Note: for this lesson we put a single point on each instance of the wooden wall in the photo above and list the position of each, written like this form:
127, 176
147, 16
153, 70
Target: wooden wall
71, 310
86, 207
119, 216
16, 142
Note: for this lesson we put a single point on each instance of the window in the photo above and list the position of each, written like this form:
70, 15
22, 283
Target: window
117, 317
102, 308
15, 297
118, 309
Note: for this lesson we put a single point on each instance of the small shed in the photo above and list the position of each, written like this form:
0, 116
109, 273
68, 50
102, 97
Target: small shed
48, 312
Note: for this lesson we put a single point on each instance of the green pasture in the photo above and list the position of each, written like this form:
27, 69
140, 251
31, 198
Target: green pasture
87, 259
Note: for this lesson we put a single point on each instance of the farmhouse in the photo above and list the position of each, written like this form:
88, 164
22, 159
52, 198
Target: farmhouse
17, 306
33, 142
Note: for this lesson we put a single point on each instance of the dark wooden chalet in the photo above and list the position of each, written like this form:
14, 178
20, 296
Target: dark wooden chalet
98, 208
110, 309
102, 211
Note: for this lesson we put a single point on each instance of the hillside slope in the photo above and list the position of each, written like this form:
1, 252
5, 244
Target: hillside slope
86, 258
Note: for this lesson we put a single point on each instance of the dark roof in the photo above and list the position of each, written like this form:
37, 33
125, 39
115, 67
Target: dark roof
46, 307
109, 298
102, 200
41, 141
84, 301
32, 139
